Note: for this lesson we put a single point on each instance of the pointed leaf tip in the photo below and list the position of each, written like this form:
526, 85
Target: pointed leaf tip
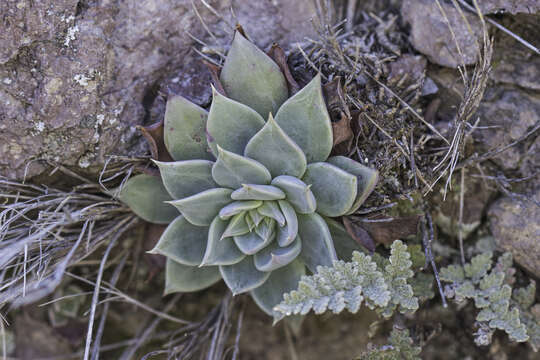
366, 178
146, 196
271, 145
231, 124
252, 77
243, 276
305, 119
186, 178
232, 170
333, 188
184, 130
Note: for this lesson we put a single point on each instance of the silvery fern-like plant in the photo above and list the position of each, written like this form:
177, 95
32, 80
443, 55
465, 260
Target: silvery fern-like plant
251, 189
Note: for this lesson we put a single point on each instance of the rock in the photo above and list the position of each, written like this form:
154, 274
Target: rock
513, 63
431, 36
509, 113
35, 339
515, 226
475, 200
77, 76
509, 6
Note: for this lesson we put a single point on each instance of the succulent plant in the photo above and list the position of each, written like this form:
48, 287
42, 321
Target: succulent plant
249, 200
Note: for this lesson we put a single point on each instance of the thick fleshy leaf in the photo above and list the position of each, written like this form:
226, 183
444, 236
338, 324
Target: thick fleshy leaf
232, 170
237, 226
281, 281
186, 178
366, 178
253, 78
200, 209
255, 217
231, 124
251, 243
276, 151
287, 234
184, 278
185, 130
317, 246
183, 242
274, 256
237, 207
258, 192
334, 189
266, 229
146, 197
343, 242
305, 119
250, 223
298, 193
243, 276
220, 251
271, 209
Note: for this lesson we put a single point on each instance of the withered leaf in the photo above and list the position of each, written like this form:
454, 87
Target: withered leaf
154, 135
342, 130
359, 234
386, 232
214, 74
278, 55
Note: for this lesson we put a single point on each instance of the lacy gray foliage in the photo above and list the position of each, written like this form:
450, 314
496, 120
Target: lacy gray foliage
382, 284
400, 347
489, 287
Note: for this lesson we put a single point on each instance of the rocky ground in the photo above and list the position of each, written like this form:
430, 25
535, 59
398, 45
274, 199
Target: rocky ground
77, 77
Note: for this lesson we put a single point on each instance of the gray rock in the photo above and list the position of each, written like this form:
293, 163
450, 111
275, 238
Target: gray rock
77, 76
515, 226
509, 6
509, 113
430, 34
513, 63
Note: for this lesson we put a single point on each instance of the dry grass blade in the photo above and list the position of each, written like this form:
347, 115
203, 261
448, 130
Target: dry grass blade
475, 86
45, 230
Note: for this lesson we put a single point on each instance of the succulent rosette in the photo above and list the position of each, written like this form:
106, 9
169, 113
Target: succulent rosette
251, 190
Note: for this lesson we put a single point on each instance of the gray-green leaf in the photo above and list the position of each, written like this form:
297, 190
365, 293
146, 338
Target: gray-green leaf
185, 130
280, 282
317, 246
186, 178
200, 209
237, 226
287, 234
271, 209
237, 207
276, 151
334, 189
251, 242
243, 276
298, 193
220, 251
231, 124
366, 178
305, 119
258, 192
146, 196
251, 77
183, 242
184, 278
232, 170
274, 256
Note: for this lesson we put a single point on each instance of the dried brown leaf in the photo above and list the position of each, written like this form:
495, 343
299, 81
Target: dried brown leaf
154, 135
359, 234
278, 55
